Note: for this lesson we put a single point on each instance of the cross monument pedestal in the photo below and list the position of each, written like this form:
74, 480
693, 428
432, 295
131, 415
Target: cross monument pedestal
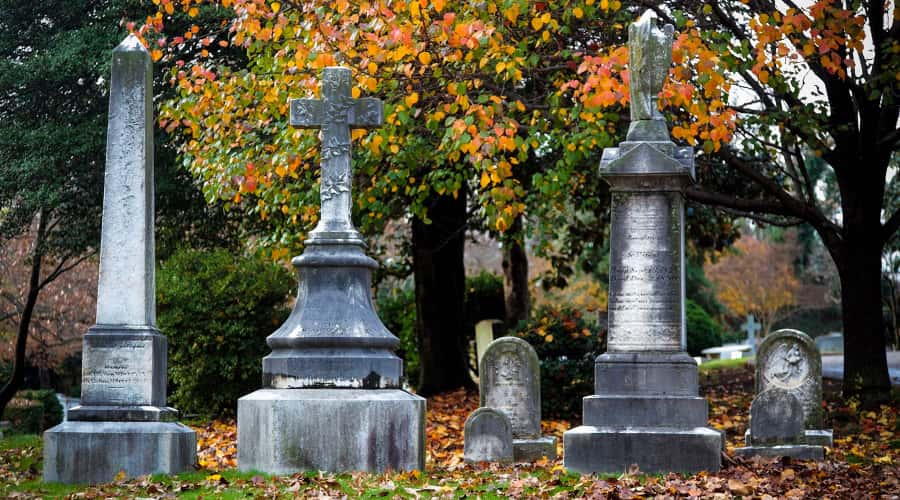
331, 397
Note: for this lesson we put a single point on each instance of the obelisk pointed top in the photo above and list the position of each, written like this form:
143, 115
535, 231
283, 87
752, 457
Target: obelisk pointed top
126, 293
131, 43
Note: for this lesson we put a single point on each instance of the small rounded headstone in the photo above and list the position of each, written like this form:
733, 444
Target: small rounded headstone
488, 436
510, 381
789, 360
776, 417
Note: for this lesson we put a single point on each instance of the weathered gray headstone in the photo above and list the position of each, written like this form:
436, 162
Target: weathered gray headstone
646, 409
776, 427
488, 437
123, 423
510, 381
331, 397
789, 360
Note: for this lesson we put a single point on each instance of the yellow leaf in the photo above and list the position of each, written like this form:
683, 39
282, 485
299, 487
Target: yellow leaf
548, 338
120, 476
438, 5
501, 224
372, 67
411, 99
512, 13
275, 7
414, 10
578, 12
424, 58
156, 54
537, 23
214, 478
485, 179
355, 92
193, 11
170, 9
604, 4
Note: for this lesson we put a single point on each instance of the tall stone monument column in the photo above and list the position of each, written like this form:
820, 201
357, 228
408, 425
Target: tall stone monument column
331, 397
646, 409
123, 423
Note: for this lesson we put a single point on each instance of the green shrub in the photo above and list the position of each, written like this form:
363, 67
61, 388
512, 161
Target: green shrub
217, 310
566, 344
702, 330
397, 309
34, 411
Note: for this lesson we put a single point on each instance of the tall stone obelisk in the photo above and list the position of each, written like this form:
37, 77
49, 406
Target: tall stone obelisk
331, 397
646, 409
123, 423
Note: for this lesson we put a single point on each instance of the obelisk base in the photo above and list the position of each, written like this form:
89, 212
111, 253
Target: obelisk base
95, 452
282, 431
646, 412
654, 450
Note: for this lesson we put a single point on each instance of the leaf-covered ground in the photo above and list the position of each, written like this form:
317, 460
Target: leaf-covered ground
865, 462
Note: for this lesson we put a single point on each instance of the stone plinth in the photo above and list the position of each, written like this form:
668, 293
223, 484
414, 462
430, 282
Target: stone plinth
282, 431
646, 409
95, 452
123, 423
331, 397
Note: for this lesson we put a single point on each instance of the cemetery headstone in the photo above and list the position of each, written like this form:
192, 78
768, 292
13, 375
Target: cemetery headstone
646, 409
789, 360
751, 327
484, 335
776, 427
488, 437
123, 423
510, 381
331, 397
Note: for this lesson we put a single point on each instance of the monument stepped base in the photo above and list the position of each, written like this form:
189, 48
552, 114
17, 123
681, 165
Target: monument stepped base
654, 450
95, 452
282, 431
529, 450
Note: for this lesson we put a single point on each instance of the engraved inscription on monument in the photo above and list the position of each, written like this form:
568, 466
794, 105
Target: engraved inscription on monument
511, 383
645, 308
118, 374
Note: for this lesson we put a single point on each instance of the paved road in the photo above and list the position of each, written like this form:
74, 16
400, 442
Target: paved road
833, 366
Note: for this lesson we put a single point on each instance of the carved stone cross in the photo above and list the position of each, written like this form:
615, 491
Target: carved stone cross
336, 113
751, 327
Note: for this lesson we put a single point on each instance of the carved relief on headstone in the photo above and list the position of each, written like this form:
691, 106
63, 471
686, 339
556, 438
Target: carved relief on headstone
789, 360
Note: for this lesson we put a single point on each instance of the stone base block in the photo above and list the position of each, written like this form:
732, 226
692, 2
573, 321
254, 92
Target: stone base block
800, 451
823, 437
282, 431
646, 374
589, 449
530, 450
94, 452
683, 412
812, 437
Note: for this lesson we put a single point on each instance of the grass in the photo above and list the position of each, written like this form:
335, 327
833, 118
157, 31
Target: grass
722, 364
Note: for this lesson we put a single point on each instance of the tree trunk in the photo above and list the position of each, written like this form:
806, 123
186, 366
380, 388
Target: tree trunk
34, 288
440, 279
515, 275
865, 361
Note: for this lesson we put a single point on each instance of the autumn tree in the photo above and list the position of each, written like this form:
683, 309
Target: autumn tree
757, 278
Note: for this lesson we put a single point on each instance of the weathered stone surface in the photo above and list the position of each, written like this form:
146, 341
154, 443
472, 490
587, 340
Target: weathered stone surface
488, 436
94, 452
590, 449
798, 451
646, 410
126, 293
789, 360
282, 431
510, 381
776, 417
123, 423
